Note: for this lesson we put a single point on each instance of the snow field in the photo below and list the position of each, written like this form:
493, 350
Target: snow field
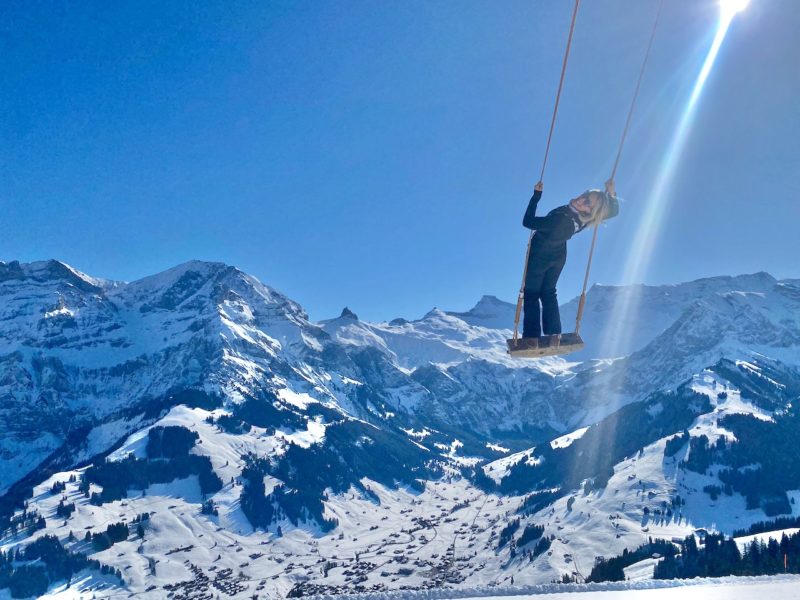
778, 587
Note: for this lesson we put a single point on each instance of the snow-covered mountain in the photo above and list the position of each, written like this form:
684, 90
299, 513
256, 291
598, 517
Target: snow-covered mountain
82, 353
379, 454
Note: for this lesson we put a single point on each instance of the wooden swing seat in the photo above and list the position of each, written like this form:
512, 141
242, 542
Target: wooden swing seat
547, 345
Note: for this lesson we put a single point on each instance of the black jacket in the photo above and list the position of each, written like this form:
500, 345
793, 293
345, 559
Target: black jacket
552, 230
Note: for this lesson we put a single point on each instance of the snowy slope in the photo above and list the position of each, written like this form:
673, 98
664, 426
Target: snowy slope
647, 311
780, 587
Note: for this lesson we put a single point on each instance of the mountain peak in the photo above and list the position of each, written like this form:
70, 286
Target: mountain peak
434, 313
489, 301
745, 281
202, 268
50, 270
348, 314
212, 281
191, 274
490, 312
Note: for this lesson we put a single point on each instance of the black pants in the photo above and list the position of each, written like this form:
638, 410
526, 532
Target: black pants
540, 287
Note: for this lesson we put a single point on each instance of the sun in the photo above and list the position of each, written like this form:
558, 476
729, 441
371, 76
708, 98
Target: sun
731, 7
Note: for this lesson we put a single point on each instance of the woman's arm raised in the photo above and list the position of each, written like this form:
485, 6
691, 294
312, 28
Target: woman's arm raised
530, 220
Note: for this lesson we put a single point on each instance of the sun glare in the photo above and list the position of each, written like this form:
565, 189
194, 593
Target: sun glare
731, 7
624, 312
644, 242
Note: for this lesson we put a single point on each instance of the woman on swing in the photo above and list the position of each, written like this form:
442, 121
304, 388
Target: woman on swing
548, 252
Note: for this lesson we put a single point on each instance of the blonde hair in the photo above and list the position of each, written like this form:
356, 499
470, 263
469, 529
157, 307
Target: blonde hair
599, 210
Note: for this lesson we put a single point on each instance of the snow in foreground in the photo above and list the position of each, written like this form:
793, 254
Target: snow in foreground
784, 589
777, 587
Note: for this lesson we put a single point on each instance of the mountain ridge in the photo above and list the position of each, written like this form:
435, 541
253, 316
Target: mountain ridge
300, 422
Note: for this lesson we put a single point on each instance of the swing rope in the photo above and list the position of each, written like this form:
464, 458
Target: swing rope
636, 90
560, 87
582, 302
521, 296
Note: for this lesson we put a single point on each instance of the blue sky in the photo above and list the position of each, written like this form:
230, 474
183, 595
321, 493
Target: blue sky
380, 155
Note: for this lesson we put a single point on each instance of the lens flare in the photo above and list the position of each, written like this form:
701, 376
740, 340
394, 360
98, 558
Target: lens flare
624, 313
644, 241
616, 339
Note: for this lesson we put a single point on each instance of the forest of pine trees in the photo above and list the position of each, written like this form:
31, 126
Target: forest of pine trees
612, 569
168, 458
720, 556
717, 557
30, 571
